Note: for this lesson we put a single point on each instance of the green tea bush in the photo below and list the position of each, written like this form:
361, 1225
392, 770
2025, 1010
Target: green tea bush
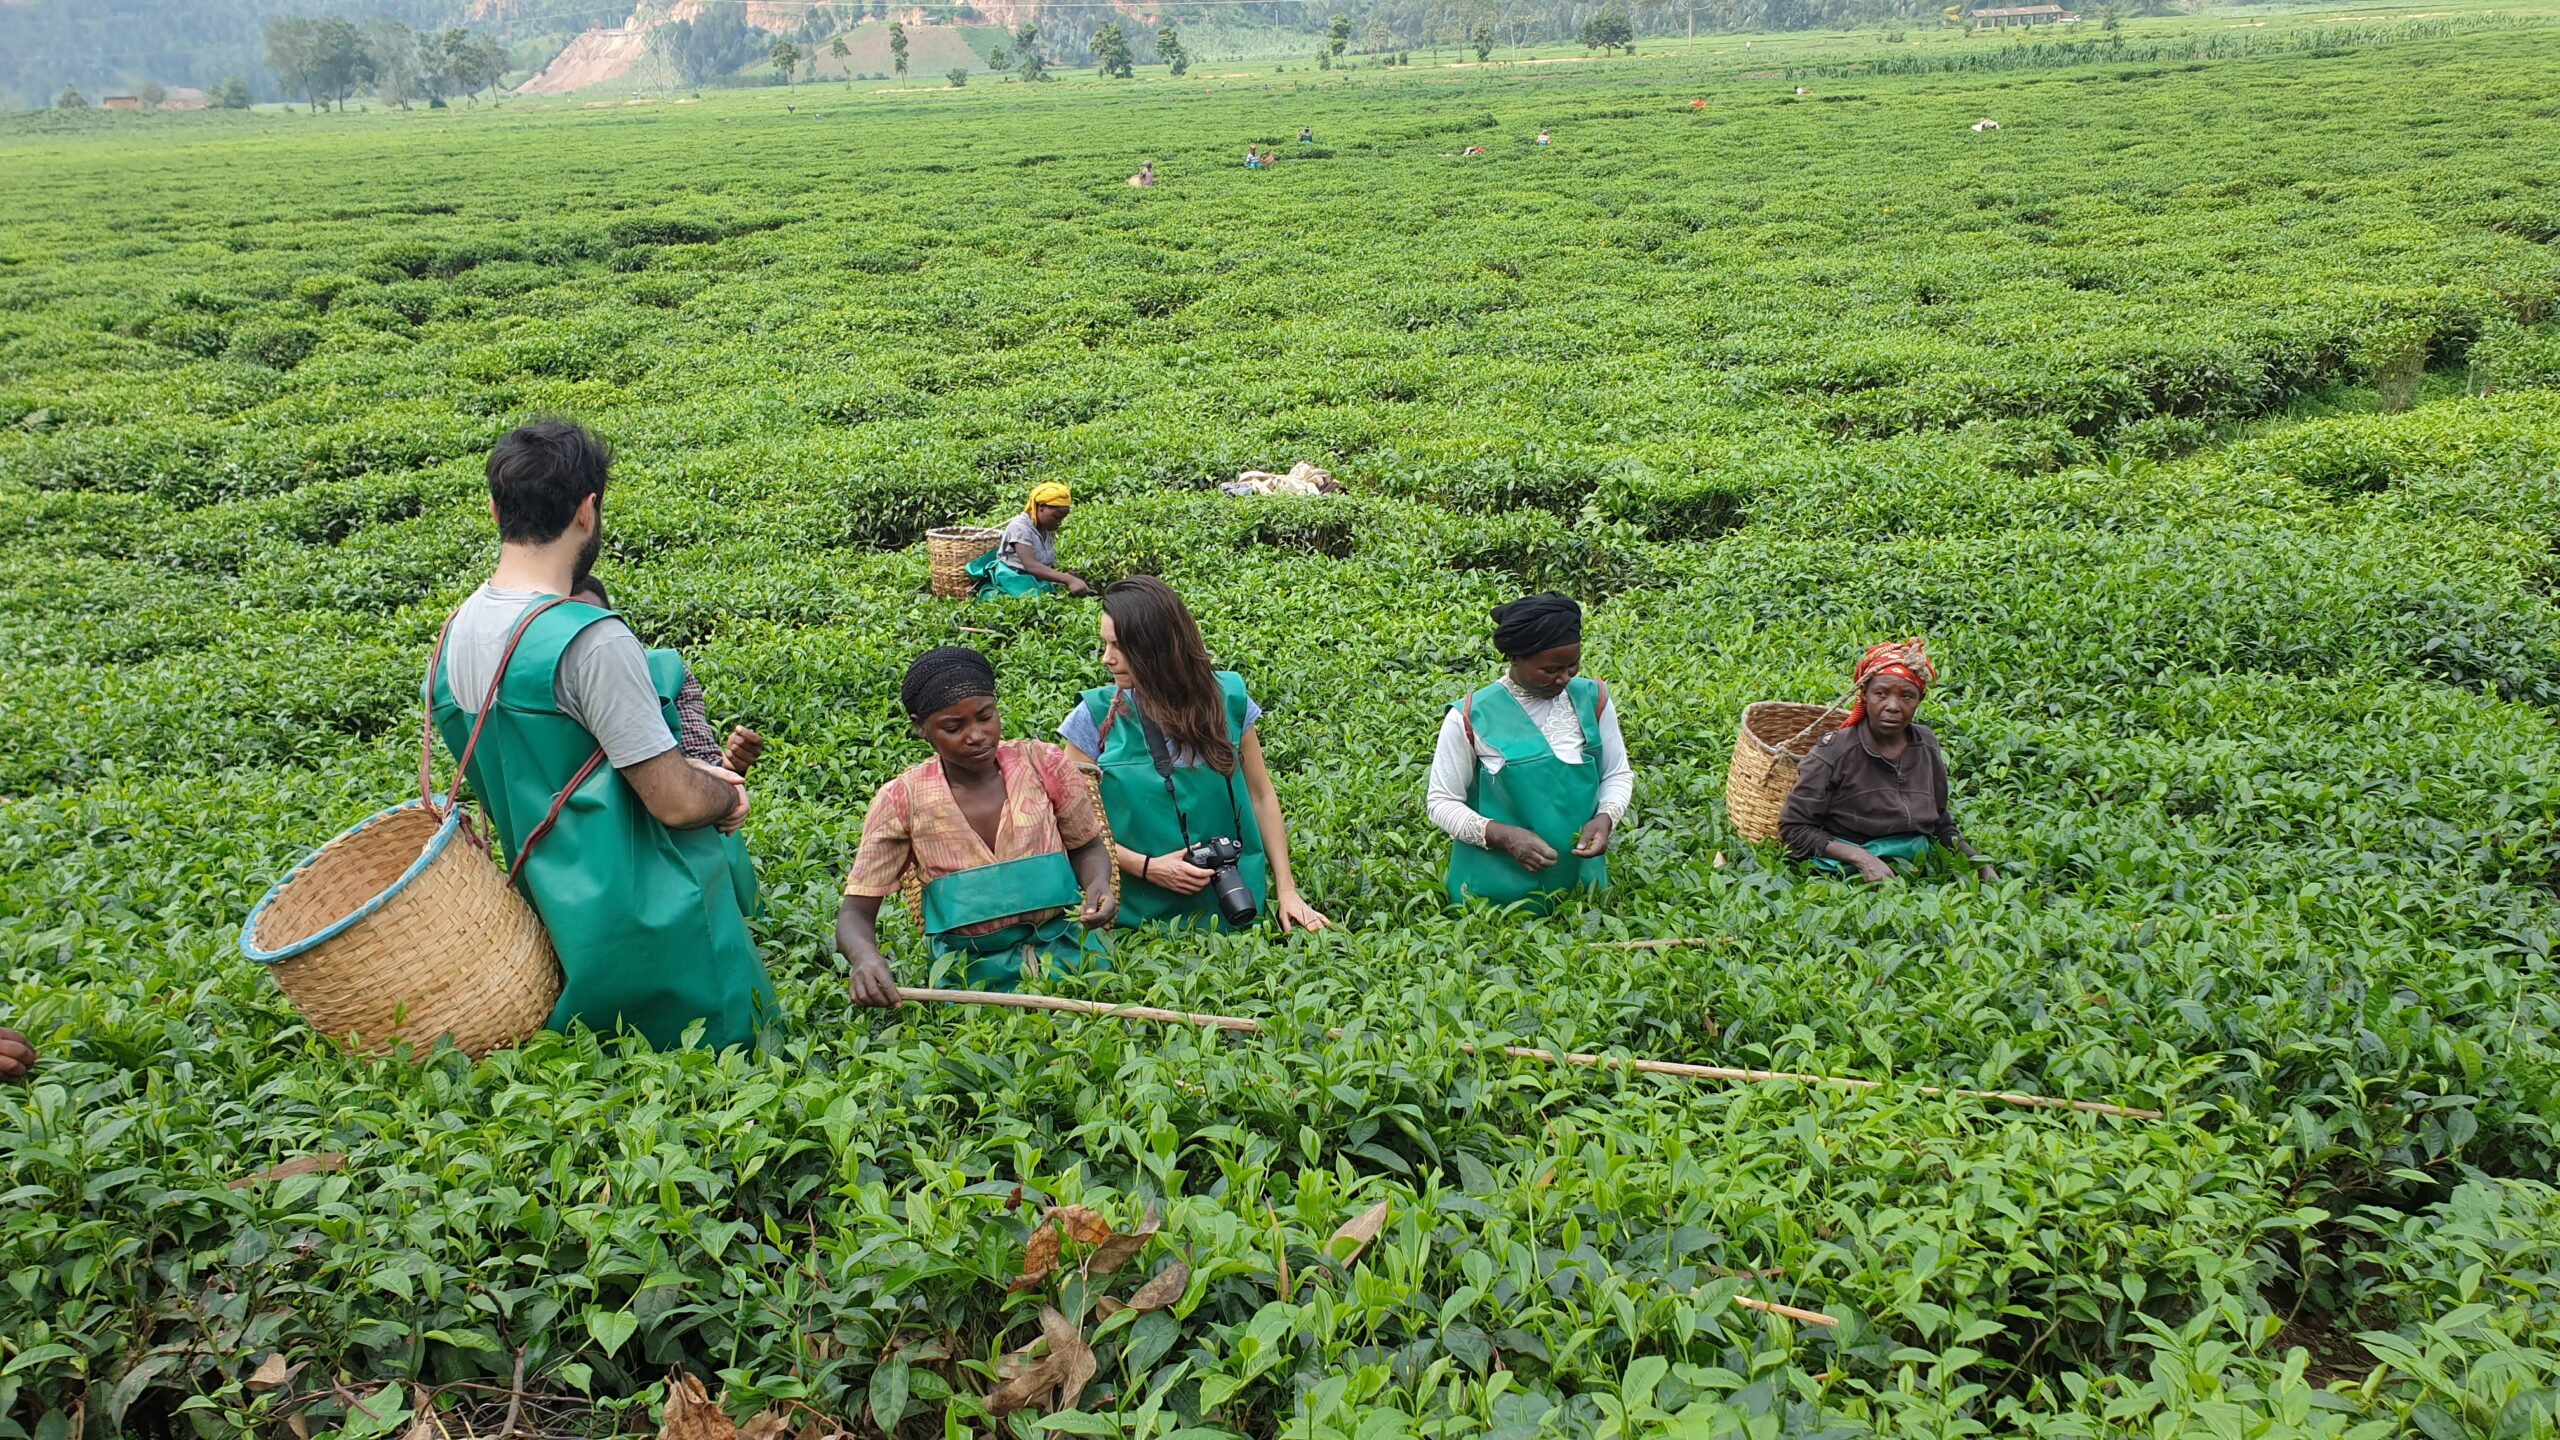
2248, 697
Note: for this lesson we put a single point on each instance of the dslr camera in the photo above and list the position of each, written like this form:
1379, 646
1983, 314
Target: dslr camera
1218, 856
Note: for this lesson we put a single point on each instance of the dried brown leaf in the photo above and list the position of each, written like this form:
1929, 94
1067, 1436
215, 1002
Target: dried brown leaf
1025, 1380
1106, 1307
1039, 1257
1164, 1289
300, 1427
817, 1429
692, 1414
771, 1425
423, 1426
271, 1373
1357, 1232
1120, 1249
322, 1164
1084, 1226
1076, 1363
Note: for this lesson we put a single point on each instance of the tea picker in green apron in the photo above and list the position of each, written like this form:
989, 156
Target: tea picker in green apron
629, 863
1025, 558
1531, 777
1201, 839
1000, 838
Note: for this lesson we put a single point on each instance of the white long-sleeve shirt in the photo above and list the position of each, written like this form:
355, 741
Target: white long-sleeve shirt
1453, 765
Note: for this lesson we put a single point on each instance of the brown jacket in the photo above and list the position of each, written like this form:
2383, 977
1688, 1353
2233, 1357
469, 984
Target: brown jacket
1846, 791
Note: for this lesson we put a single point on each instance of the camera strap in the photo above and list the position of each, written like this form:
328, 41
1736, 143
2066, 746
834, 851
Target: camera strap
1161, 752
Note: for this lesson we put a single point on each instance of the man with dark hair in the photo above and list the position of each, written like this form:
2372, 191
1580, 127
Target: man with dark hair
628, 869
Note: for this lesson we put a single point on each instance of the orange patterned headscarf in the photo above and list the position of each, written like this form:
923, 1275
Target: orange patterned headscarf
1908, 659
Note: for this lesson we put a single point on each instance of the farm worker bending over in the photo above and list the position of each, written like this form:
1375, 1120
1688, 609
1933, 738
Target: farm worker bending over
1025, 560
1875, 789
632, 874
1531, 777
1001, 834
1173, 737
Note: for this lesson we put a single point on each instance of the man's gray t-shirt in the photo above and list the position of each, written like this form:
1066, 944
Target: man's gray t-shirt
602, 682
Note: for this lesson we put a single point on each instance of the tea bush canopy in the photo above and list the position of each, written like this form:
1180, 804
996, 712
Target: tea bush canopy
2247, 684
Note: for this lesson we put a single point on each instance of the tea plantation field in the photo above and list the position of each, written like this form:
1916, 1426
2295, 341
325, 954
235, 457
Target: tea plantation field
2205, 418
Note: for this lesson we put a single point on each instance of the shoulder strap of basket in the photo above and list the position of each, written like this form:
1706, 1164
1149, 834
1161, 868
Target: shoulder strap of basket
488, 703
1814, 724
1102, 732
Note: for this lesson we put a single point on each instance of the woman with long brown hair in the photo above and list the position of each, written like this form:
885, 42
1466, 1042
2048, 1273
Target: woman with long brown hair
1199, 834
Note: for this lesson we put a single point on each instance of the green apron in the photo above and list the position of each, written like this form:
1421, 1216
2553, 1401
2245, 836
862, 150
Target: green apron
1143, 818
996, 960
667, 676
1535, 791
995, 577
1888, 848
648, 922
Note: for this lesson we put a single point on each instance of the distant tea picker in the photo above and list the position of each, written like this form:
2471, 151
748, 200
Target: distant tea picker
1874, 791
1025, 558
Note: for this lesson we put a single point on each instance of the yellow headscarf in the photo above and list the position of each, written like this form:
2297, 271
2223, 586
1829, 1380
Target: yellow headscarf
1048, 492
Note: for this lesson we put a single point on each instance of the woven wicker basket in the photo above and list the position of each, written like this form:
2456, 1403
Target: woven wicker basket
951, 548
1774, 736
394, 933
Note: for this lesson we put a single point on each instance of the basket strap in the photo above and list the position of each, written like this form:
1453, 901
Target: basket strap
559, 802
427, 732
1841, 704
1102, 732
1102, 817
427, 717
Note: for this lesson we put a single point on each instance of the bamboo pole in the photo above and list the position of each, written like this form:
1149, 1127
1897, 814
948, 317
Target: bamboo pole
1771, 1307
1066, 1005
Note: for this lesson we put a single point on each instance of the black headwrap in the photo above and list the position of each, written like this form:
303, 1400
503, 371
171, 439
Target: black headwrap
1539, 622
944, 677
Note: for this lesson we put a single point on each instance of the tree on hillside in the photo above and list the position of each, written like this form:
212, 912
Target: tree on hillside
712, 44
1380, 37
231, 94
958, 75
999, 57
841, 51
483, 65
1026, 47
71, 99
898, 47
1111, 50
338, 59
401, 56
785, 57
1169, 50
1608, 29
1339, 33
151, 94
1482, 39
289, 56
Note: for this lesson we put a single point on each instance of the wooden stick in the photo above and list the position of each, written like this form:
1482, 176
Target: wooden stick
1242, 1026
1685, 942
1809, 1317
